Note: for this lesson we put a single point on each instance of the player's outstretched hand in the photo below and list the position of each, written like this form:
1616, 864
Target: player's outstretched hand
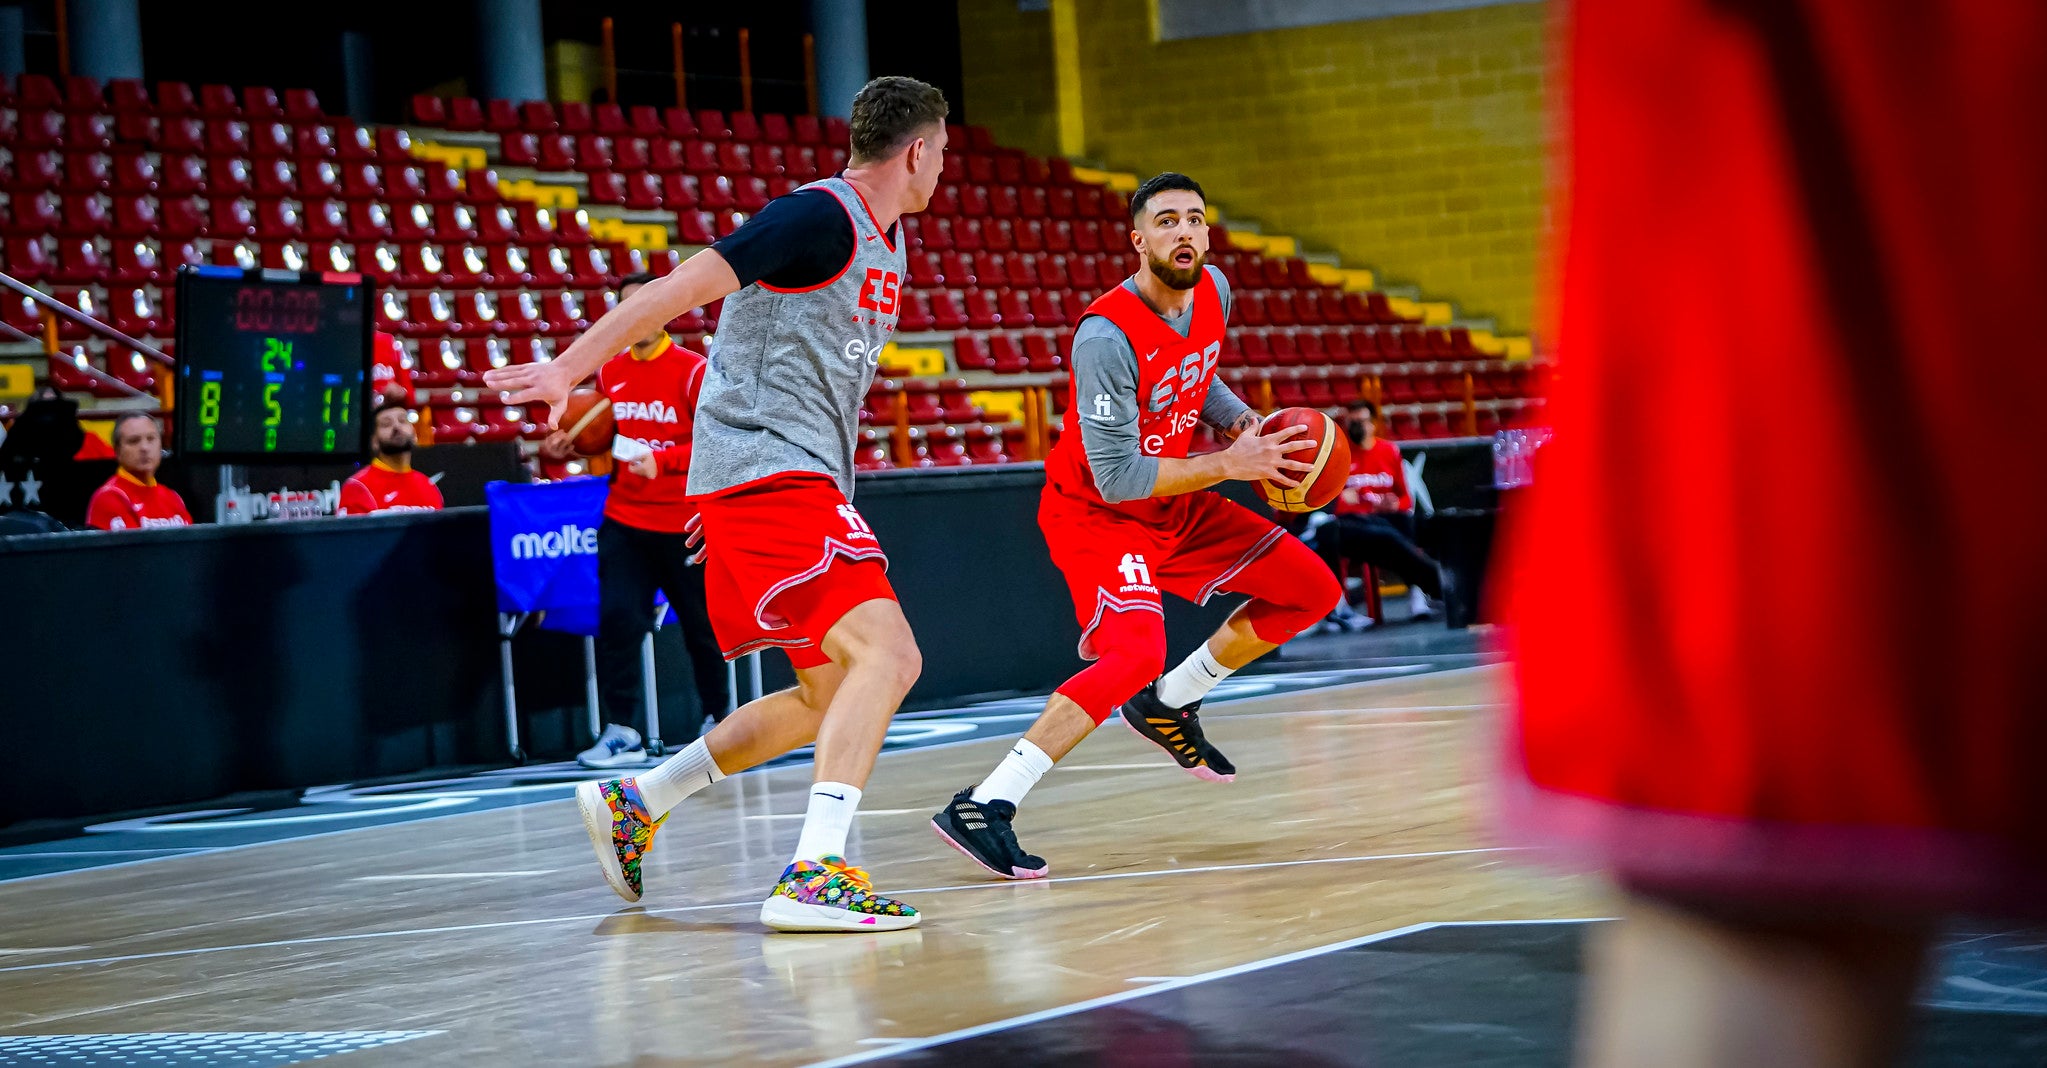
693, 537
1254, 456
533, 383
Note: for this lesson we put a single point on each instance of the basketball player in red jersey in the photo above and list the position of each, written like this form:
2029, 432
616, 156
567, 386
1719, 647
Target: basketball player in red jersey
388, 483
812, 291
1791, 795
1126, 521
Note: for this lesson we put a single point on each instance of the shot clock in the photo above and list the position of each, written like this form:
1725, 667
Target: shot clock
272, 365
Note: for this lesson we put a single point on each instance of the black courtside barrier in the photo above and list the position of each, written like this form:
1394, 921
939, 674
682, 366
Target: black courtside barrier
161, 667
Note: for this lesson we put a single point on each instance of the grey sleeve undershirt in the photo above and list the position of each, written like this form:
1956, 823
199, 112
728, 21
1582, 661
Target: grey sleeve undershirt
1105, 387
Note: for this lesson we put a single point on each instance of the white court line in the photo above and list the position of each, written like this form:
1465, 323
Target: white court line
1171, 984
19, 952
428, 875
751, 903
1424, 671
96, 852
1116, 767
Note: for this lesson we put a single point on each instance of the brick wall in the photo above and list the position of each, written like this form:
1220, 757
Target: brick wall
1007, 74
1413, 144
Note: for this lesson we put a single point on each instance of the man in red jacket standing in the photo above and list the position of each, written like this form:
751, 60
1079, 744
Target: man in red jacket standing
640, 546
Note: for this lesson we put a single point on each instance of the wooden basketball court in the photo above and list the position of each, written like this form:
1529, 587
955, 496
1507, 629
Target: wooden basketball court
490, 938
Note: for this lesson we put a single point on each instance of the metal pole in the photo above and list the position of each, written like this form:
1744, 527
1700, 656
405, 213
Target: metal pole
810, 70
590, 684
753, 673
508, 625
675, 44
732, 701
648, 683
745, 70
610, 62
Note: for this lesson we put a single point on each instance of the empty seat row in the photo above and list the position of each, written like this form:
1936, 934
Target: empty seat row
597, 152
81, 94
946, 234
466, 114
342, 139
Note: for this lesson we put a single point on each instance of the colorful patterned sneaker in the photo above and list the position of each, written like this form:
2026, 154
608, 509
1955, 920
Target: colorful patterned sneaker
1178, 732
831, 895
620, 831
982, 832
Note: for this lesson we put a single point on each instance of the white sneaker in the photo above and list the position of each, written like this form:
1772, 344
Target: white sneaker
617, 747
1351, 619
1418, 606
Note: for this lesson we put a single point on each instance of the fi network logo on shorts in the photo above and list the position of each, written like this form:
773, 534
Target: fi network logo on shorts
570, 540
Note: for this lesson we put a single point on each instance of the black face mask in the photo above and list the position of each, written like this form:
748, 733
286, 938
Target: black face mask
1356, 431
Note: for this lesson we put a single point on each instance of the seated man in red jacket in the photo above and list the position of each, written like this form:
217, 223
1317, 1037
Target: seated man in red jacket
132, 499
388, 483
1373, 520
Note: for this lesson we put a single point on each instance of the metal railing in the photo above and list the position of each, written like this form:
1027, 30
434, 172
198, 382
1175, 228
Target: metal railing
52, 309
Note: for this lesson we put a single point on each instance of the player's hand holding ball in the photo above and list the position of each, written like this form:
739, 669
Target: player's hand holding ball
1314, 448
1260, 457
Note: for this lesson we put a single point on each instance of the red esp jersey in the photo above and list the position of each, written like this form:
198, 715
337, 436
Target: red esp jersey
1173, 375
654, 402
378, 488
1375, 475
127, 504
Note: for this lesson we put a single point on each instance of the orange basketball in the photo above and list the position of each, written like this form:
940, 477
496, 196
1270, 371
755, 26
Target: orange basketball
1324, 446
586, 419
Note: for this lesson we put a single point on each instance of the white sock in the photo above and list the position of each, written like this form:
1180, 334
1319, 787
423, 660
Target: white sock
1014, 777
1191, 681
679, 776
828, 821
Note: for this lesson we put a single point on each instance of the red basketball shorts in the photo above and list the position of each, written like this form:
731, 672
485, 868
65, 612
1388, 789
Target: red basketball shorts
1114, 562
787, 557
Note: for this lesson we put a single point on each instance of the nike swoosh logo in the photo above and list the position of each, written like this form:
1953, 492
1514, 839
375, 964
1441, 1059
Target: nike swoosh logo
1149, 355
835, 797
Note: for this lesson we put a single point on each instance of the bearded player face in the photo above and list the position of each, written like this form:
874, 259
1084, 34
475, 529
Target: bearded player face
1172, 236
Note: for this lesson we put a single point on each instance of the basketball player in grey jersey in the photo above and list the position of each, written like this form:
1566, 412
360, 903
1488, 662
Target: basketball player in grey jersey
812, 290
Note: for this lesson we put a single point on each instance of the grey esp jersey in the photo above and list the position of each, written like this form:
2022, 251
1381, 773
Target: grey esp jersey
790, 368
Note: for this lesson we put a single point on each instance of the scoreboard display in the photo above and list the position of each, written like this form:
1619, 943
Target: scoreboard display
272, 365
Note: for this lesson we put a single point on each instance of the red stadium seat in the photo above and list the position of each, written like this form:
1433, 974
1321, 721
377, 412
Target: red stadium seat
309, 142
1013, 309
806, 130
1006, 350
971, 353
218, 102
917, 315
537, 116
981, 312
519, 149
500, 116
181, 217
711, 126
464, 114
87, 172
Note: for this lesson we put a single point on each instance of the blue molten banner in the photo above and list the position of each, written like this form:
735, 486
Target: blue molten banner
543, 545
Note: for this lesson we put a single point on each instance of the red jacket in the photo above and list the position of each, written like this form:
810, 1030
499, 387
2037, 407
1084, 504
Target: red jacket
1377, 482
380, 488
126, 503
654, 402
